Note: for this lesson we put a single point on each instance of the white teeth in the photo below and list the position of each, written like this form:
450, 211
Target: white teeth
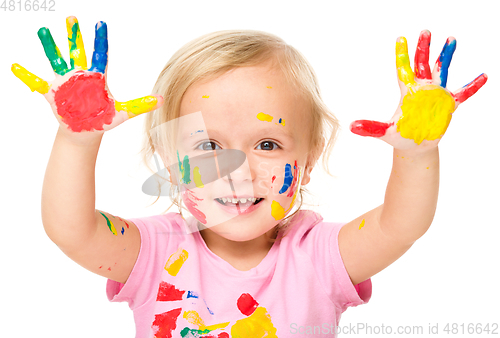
236, 200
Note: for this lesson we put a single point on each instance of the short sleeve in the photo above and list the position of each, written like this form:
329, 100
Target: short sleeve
143, 280
352, 295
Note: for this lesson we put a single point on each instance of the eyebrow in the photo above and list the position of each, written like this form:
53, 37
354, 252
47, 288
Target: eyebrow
264, 131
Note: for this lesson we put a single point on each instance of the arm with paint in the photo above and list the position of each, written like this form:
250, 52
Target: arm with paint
85, 109
376, 239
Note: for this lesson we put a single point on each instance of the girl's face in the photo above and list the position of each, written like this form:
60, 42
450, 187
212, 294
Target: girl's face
237, 108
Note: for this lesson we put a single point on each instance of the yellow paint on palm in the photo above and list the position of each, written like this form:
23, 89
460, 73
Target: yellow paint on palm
30, 79
258, 324
175, 261
405, 73
137, 106
197, 177
426, 114
264, 117
76, 49
194, 318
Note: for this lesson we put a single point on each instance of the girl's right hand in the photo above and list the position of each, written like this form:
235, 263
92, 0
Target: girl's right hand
79, 97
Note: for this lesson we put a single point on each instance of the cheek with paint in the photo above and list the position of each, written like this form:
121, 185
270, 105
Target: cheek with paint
289, 189
192, 202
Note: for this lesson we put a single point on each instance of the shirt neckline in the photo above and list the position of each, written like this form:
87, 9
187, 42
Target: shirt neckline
264, 265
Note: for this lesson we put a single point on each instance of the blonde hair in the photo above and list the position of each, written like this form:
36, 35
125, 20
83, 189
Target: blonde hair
210, 56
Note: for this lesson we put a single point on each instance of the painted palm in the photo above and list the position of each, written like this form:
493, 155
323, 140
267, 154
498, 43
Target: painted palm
79, 96
426, 106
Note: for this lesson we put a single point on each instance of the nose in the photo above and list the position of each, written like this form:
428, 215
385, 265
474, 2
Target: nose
242, 174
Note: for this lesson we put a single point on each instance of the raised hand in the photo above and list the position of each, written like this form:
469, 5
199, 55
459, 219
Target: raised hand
426, 106
79, 97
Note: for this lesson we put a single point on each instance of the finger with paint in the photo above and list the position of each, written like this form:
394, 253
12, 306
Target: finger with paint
76, 49
405, 74
422, 69
100, 55
52, 52
426, 107
30, 79
81, 100
440, 72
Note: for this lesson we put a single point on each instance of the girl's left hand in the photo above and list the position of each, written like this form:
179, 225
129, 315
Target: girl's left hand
425, 109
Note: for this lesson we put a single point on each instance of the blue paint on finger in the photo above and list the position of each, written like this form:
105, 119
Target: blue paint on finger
445, 60
100, 55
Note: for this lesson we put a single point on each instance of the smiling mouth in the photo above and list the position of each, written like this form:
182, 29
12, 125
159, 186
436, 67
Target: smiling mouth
229, 203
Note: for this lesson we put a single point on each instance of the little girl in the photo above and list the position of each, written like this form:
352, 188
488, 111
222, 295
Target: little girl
239, 123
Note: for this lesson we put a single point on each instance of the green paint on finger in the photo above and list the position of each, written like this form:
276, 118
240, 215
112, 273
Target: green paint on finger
52, 52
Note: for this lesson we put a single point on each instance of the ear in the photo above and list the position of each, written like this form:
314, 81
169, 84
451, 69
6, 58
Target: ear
312, 158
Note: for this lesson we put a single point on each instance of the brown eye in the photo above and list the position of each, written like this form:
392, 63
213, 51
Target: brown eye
207, 146
269, 145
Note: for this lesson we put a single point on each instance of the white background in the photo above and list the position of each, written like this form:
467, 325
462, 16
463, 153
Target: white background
449, 276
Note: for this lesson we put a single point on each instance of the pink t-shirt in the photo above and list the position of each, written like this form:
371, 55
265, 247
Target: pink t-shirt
179, 288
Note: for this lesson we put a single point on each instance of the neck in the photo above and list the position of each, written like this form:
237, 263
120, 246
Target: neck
238, 250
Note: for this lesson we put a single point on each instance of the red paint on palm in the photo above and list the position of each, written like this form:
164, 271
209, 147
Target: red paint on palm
370, 128
83, 102
246, 304
168, 292
165, 323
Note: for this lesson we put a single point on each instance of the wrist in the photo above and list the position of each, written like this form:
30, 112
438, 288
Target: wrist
83, 139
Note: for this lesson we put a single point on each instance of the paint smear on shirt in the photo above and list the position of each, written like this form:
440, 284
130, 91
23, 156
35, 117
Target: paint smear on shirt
175, 261
168, 292
246, 304
264, 117
192, 294
194, 318
165, 323
426, 114
257, 325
